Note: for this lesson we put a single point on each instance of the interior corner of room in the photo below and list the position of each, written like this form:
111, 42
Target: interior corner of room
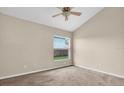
96, 43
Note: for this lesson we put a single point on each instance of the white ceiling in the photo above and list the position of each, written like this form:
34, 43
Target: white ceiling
43, 15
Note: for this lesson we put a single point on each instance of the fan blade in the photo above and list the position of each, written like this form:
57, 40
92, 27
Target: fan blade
56, 15
76, 13
71, 8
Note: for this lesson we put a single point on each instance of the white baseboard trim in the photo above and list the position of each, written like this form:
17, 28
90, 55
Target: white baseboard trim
15, 75
96, 70
31, 72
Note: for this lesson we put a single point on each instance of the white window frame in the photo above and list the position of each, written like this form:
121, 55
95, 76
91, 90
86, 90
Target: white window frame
69, 48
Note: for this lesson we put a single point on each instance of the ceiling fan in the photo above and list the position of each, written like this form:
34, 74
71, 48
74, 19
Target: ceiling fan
66, 12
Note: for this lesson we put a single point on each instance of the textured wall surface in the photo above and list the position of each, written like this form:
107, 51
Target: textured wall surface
27, 47
99, 44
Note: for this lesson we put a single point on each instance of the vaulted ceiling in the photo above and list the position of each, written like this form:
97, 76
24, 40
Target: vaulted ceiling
43, 15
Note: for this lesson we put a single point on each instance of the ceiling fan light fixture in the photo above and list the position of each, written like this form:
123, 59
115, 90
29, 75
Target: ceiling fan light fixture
66, 12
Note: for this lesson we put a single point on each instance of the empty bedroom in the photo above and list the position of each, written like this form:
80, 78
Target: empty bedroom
61, 46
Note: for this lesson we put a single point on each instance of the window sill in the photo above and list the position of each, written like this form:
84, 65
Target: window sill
62, 60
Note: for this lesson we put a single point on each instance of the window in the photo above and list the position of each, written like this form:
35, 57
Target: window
61, 48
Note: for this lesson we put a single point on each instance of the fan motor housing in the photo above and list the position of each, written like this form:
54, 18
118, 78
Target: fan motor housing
66, 11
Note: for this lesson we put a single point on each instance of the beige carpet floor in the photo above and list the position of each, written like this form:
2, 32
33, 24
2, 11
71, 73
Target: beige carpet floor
68, 76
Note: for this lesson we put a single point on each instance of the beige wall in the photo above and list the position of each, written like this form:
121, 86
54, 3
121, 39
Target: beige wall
99, 44
26, 47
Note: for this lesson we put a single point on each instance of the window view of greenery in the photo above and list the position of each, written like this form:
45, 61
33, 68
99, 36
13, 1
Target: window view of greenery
61, 48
